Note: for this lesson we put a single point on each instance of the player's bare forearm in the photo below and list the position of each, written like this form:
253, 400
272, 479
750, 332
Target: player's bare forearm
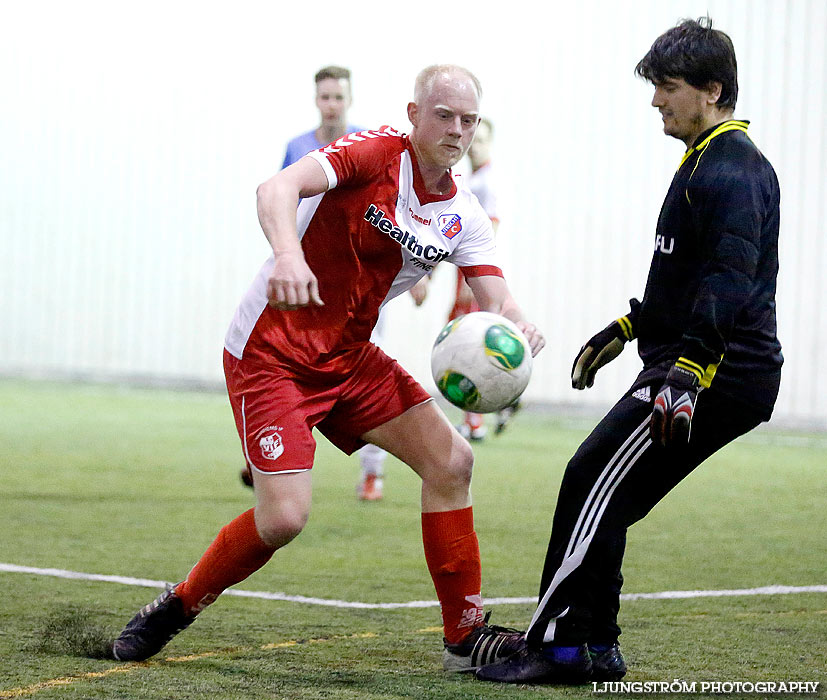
291, 283
533, 334
492, 294
278, 197
511, 311
276, 204
464, 294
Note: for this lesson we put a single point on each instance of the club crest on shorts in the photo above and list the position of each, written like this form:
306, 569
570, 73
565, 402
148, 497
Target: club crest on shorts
450, 225
269, 440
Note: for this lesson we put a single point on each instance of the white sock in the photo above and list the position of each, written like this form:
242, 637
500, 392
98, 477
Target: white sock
372, 459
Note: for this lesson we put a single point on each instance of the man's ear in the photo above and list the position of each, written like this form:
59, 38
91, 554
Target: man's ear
713, 91
413, 113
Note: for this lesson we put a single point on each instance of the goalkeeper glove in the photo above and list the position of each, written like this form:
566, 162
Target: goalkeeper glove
603, 348
674, 406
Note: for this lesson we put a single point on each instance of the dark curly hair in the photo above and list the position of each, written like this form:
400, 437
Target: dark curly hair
698, 54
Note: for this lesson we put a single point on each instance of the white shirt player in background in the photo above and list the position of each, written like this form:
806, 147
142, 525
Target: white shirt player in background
482, 184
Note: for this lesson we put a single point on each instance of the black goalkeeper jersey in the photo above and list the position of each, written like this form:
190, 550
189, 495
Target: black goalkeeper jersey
710, 295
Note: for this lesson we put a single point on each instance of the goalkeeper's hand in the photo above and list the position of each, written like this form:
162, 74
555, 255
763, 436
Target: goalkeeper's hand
674, 407
602, 348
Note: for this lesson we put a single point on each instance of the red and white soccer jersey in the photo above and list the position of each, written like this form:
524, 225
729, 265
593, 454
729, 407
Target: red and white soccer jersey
368, 239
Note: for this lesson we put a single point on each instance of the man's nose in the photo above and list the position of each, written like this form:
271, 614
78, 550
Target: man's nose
657, 98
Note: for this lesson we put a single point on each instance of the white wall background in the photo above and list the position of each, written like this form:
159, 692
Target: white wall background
133, 136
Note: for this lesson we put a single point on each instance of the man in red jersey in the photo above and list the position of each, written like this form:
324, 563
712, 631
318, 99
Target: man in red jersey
378, 211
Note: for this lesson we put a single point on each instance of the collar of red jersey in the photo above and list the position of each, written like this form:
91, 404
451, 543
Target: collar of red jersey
422, 194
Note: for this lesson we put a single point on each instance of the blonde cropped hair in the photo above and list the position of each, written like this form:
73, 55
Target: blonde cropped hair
427, 77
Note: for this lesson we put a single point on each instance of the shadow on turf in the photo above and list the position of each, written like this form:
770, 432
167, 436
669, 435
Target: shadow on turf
72, 633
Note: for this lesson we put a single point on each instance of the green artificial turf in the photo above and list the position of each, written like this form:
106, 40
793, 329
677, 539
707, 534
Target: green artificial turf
136, 483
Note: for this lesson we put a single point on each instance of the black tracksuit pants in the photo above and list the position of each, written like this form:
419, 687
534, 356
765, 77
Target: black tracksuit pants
614, 479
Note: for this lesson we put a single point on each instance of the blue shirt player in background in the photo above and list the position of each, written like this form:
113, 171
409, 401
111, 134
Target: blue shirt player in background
333, 98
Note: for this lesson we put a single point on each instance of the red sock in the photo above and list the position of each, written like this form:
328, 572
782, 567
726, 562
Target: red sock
237, 552
453, 557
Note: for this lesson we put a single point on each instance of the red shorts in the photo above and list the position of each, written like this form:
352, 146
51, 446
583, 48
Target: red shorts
275, 411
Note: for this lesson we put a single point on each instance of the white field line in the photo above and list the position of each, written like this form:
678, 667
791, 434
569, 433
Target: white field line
150, 583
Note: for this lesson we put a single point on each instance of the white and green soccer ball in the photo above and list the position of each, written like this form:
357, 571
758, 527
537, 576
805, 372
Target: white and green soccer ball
481, 362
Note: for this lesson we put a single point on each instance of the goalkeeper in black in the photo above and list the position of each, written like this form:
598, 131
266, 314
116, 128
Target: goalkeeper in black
706, 332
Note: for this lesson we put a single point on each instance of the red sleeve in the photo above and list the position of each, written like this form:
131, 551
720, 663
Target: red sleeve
481, 271
361, 156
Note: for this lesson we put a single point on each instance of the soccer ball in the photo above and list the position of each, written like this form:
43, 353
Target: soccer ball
481, 362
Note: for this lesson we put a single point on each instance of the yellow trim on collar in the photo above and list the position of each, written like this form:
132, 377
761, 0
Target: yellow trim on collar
730, 125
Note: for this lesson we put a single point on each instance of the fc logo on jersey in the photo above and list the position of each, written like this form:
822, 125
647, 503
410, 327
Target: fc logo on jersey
450, 225
269, 440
